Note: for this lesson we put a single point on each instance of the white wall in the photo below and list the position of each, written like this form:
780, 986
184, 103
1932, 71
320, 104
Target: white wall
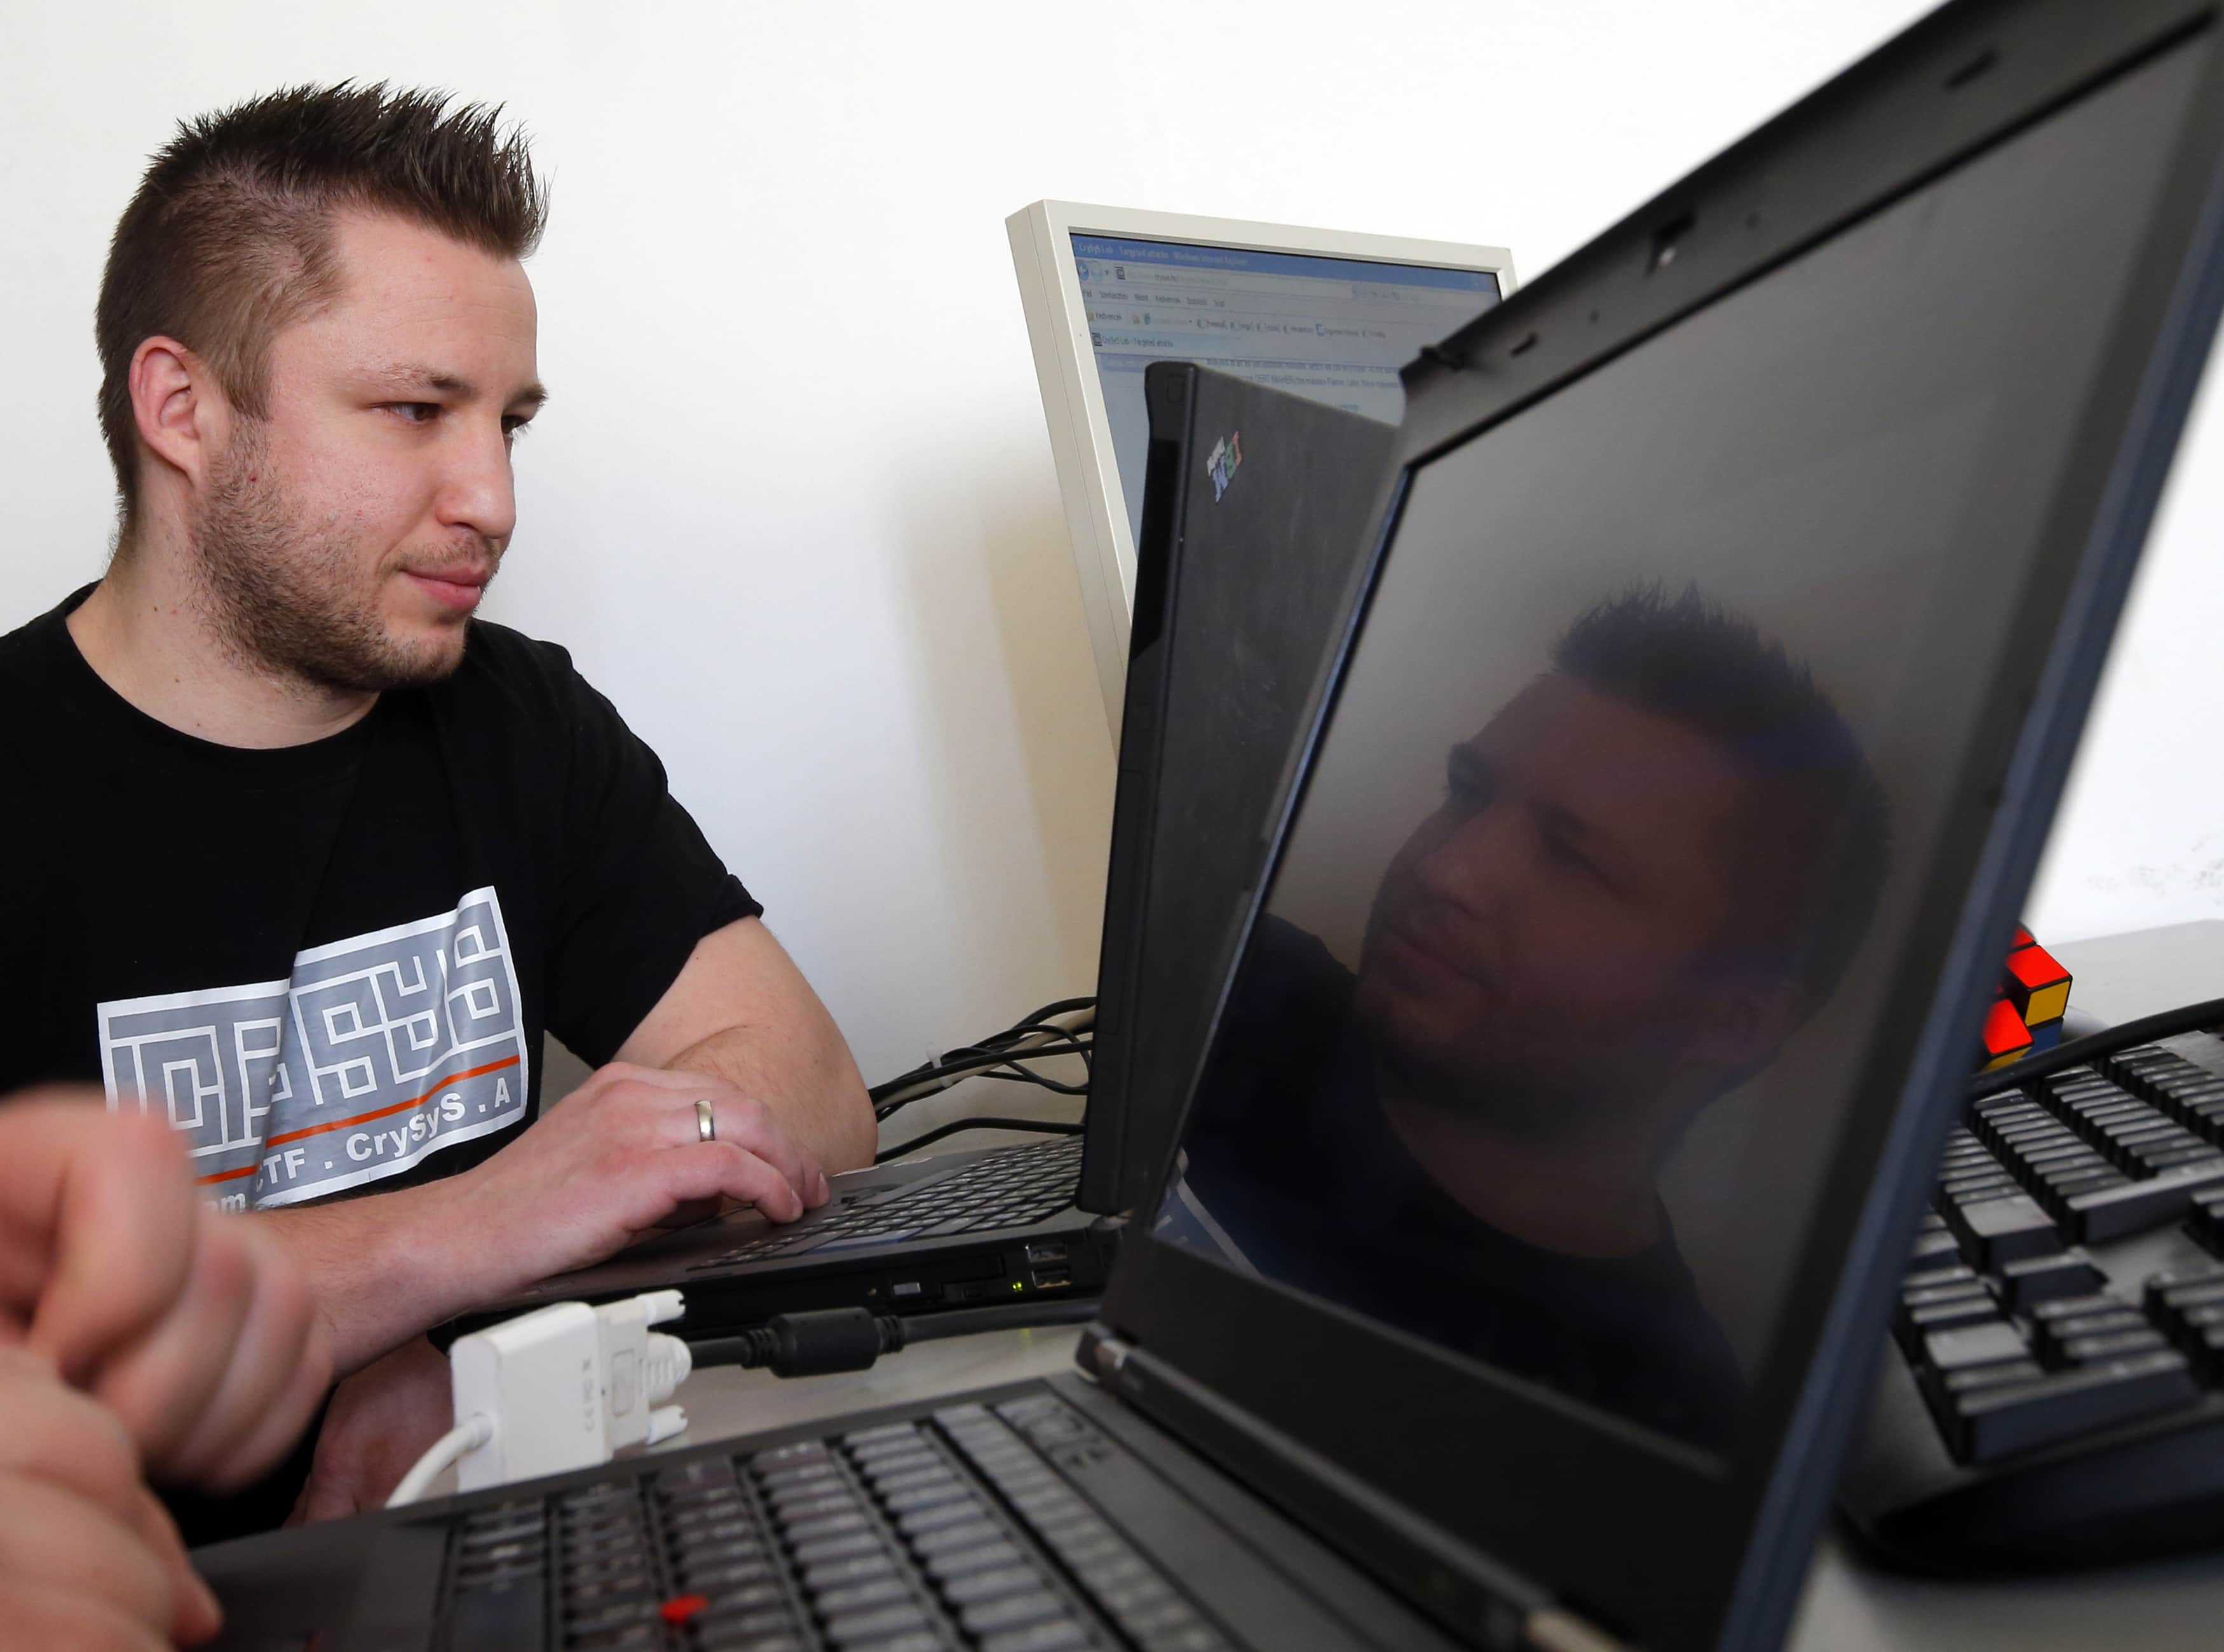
793, 504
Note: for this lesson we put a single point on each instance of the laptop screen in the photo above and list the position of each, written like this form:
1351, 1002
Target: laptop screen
1552, 1010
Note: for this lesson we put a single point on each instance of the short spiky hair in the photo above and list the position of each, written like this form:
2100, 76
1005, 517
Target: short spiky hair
1690, 660
228, 238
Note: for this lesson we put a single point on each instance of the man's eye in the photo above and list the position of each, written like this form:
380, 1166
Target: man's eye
513, 428
416, 413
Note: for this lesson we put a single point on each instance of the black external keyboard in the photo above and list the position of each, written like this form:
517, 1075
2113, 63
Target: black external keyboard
1013, 1187
2061, 1325
951, 1532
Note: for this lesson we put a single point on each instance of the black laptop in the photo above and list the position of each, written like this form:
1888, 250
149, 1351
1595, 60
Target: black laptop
1568, 1112
1255, 510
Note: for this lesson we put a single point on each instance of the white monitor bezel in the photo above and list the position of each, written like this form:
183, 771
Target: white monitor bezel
1073, 400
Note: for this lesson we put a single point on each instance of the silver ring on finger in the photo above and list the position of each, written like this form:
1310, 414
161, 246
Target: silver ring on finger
707, 1123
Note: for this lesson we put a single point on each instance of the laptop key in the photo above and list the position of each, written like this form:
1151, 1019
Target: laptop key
1011, 1612
508, 1615
1060, 1634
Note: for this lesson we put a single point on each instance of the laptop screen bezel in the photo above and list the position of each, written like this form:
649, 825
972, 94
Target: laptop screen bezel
1579, 1494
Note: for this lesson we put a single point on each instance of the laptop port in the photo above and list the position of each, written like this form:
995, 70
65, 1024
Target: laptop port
1045, 1251
1052, 1278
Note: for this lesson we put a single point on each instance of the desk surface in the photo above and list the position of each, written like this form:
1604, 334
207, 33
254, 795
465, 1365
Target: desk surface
1847, 1607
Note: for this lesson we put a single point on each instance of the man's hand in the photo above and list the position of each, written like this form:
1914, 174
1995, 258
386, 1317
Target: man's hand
622, 1155
191, 1327
88, 1559
381, 1420
617, 1159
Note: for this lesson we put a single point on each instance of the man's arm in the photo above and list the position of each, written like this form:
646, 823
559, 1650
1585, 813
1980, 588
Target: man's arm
739, 1027
742, 1012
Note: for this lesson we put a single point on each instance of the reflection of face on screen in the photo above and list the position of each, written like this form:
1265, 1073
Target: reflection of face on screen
1620, 908
1644, 871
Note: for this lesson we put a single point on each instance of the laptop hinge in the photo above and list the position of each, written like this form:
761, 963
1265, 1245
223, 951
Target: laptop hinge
1498, 1611
1101, 1354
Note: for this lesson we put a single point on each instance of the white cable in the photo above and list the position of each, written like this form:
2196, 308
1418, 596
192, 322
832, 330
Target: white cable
446, 1451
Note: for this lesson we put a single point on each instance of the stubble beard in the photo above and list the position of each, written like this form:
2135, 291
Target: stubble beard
289, 596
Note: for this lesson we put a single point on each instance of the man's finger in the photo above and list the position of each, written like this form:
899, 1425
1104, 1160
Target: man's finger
706, 1169
160, 1385
750, 1125
274, 1371
110, 1190
39, 1612
48, 1533
197, 1616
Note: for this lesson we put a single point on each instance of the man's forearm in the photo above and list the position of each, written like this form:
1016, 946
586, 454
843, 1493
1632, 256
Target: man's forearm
805, 1074
387, 1267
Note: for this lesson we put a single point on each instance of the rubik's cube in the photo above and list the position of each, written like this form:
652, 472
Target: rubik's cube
2026, 1015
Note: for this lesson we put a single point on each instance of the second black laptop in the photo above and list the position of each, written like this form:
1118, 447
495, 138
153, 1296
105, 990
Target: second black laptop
1256, 509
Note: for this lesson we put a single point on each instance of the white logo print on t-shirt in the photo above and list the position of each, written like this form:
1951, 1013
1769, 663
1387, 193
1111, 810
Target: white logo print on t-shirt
375, 1051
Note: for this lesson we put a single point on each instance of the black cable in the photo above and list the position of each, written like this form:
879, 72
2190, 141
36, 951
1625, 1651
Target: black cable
1040, 1126
893, 1098
2191, 1018
826, 1339
1065, 1041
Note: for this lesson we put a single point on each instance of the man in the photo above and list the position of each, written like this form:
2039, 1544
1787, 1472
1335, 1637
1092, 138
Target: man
307, 857
1647, 870
139, 1330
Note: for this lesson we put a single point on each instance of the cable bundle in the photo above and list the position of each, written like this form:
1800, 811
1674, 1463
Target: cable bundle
1064, 1028
1060, 1029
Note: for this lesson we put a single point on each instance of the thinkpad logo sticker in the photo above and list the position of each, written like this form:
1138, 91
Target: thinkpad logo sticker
376, 1051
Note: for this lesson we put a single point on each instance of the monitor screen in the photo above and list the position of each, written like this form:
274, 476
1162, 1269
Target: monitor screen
1335, 330
1559, 994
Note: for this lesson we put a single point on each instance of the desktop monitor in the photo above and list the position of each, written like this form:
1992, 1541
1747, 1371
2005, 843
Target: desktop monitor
1321, 313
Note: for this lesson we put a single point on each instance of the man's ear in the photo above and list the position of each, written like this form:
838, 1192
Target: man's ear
182, 414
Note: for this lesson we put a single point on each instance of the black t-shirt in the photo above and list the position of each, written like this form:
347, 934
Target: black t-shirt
333, 964
1290, 1164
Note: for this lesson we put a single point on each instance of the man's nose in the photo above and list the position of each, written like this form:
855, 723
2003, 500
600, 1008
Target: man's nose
479, 493
1476, 863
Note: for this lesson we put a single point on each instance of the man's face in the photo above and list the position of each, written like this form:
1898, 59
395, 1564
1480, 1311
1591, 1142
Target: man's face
346, 539
1552, 937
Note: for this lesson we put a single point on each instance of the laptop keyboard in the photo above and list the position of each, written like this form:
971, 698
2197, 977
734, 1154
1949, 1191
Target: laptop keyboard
955, 1531
1014, 1188
2027, 1317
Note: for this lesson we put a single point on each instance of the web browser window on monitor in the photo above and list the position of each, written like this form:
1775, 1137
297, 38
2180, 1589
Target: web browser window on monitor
1335, 330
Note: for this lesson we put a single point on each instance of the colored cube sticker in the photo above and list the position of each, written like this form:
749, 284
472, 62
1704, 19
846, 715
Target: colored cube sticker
2006, 1037
2037, 984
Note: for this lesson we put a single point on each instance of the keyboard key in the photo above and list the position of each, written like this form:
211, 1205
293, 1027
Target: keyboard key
2003, 1230
1974, 1344
848, 1546
2114, 1345
860, 1628
2115, 1212
501, 1617
1058, 1634
981, 1557
948, 1539
1011, 1612
990, 1584
1996, 1421
858, 1597
2047, 1278
848, 1568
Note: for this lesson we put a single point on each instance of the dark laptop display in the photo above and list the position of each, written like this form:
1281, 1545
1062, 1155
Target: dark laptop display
1592, 1043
